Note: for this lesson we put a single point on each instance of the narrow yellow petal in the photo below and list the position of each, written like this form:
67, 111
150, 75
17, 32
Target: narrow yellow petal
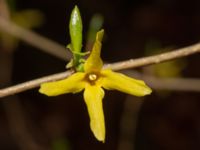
72, 84
117, 81
93, 96
94, 62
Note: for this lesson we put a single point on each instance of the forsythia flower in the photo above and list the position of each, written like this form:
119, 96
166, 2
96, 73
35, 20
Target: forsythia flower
92, 81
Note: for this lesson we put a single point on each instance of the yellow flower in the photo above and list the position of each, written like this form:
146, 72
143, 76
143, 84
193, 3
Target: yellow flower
92, 81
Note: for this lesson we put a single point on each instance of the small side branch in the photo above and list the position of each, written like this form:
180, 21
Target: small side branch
34, 39
155, 59
174, 84
33, 83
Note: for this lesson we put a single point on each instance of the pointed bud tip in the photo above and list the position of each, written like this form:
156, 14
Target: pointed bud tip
75, 7
75, 11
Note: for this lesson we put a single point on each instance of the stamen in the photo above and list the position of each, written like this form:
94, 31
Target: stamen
92, 77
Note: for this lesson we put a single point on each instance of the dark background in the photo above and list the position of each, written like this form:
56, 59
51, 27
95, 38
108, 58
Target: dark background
169, 122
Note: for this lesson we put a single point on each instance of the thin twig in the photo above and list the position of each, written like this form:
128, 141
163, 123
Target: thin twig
174, 84
114, 66
155, 59
33, 83
34, 39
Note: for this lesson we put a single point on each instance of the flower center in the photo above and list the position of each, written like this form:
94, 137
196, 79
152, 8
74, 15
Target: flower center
92, 77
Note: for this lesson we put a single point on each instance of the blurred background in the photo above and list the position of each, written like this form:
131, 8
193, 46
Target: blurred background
165, 120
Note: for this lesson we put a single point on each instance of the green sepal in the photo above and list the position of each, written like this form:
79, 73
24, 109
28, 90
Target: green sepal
80, 68
81, 53
82, 60
70, 64
77, 60
69, 46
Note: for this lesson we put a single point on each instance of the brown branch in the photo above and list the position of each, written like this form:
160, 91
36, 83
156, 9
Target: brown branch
172, 83
34, 39
155, 59
175, 84
114, 66
32, 84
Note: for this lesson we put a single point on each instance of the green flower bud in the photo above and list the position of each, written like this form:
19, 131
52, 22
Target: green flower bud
75, 28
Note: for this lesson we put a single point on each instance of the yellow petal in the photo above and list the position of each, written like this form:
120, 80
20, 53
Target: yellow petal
94, 62
72, 84
117, 81
93, 96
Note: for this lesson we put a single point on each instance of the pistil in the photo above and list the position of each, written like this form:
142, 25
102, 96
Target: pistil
92, 77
